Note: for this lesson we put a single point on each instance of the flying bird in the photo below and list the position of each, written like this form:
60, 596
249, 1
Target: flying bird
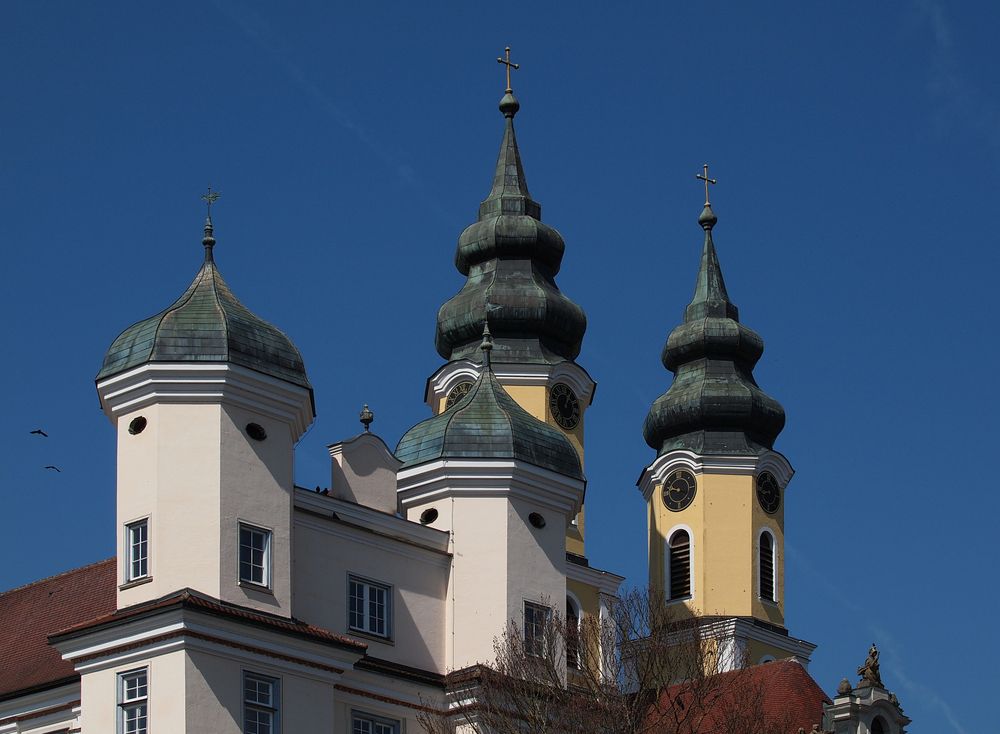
39, 432
54, 467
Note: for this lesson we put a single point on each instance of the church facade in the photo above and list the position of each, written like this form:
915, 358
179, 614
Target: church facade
240, 602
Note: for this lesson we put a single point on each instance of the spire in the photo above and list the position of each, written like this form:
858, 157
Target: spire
209, 240
714, 406
511, 259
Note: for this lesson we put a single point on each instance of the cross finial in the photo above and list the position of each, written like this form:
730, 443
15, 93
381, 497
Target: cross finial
210, 198
704, 177
505, 59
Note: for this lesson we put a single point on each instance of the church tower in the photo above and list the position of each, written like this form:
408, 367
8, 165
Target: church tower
715, 492
510, 259
208, 401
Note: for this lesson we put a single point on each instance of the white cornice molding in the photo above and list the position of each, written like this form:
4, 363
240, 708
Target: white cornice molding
60, 701
770, 461
745, 629
214, 382
444, 380
382, 523
425, 483
174, 629
604, 581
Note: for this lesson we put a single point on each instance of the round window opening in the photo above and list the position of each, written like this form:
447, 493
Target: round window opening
536, 520
138, 425
428, 516
256, 431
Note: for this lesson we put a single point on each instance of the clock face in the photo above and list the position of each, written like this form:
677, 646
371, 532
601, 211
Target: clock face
768, 492
564, 406
679, 490
457, 393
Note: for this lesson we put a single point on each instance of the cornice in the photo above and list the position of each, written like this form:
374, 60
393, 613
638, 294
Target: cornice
604, 581
441, 382
193, 383
391, 527
770, 461
424, 483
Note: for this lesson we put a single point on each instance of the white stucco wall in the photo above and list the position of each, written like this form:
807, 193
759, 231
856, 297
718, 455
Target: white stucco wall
99, 695
326, 552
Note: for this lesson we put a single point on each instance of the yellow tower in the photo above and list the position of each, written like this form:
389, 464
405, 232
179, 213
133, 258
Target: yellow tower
715, 492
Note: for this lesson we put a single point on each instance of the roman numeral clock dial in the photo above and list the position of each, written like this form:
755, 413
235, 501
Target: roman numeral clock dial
564, 406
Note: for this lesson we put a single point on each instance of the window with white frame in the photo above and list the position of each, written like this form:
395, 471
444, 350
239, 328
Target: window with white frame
137, 550
369, 607
572, 634
133, 702
536, 624
680, 565
362, 723
255, 555
766, 557
261, 704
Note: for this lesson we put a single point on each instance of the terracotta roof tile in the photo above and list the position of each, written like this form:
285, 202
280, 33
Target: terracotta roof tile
790, 697
29, 614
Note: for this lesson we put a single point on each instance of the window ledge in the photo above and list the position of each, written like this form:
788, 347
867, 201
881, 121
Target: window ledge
769, 602
259, 588
371, 636
136, 582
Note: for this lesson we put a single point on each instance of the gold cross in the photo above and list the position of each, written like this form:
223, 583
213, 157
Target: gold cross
707, 181
509, 64
210, 198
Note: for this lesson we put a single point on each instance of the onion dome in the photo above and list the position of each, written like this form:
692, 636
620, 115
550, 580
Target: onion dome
510, 259
489, 424
714, 406
207, 324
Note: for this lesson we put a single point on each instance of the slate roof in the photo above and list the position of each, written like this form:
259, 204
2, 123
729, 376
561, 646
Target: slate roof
510, 258
488, 423
788, 698
30, 613
714, 405
207, 324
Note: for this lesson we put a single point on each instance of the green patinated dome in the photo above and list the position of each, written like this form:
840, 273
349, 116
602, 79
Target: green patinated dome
714, 405
207, 324
510, 258
489, 424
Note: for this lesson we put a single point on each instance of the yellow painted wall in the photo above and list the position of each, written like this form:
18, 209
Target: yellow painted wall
725, 519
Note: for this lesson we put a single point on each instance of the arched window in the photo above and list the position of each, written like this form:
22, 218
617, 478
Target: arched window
878, 726
766, 566
680, 565
572, 635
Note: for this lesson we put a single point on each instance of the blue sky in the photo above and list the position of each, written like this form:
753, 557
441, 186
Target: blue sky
856, 147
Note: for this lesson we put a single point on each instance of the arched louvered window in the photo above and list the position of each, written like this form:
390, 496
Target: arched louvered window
766, 566
878, 726
680, 565
572, 635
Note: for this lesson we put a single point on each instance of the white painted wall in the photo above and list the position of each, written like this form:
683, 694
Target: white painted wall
327, 551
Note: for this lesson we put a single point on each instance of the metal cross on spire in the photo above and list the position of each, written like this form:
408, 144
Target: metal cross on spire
704, 177
506, 60
210, 198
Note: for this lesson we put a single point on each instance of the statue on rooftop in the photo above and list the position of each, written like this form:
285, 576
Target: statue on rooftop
869, 671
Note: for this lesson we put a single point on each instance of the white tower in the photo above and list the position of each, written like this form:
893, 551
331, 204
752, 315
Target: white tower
208, 401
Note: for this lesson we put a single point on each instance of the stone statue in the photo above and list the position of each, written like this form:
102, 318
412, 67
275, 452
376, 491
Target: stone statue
869, 671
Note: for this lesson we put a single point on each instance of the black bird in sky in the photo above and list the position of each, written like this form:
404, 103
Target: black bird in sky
54, 467
39, 432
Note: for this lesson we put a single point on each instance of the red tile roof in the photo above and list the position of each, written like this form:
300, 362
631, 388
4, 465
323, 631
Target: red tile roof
781, 693
29, 614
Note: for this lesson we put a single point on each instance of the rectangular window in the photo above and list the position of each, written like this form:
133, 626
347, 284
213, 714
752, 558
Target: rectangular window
536, 623
137, 550
362, 723
261, 704
369, 607
133, 701
255, 555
